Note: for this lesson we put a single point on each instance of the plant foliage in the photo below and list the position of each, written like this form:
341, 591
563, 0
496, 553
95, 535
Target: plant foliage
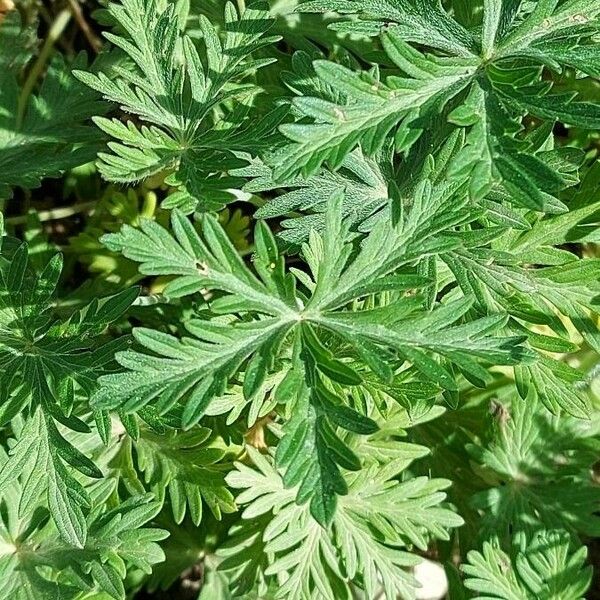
386, 347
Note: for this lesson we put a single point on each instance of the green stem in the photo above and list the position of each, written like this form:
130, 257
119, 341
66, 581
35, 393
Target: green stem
54, 33
149, 205
55, 214
90, 36
241, 6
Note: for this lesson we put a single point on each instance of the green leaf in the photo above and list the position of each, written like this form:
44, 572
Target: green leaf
41, 135
367, 537
373, 109
363, 179
190, 375
412, 19
489, 85
539, 465
185, 137
546, 566
36, 563
184, 469
312, 452
45, 364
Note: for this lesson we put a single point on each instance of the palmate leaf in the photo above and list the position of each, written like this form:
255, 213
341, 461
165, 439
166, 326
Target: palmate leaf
500, 92
363, 179
365, 542
559, 290
182, 469
175, 92
539, 466
442, 261
46, 362
373, 108
543, 566
50, 133
270, 319
46, 366
420, 21
36, 563
40, 458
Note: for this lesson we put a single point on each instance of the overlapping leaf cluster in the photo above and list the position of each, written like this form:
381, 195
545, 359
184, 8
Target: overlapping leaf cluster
179, 97
403, 361
43, 134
